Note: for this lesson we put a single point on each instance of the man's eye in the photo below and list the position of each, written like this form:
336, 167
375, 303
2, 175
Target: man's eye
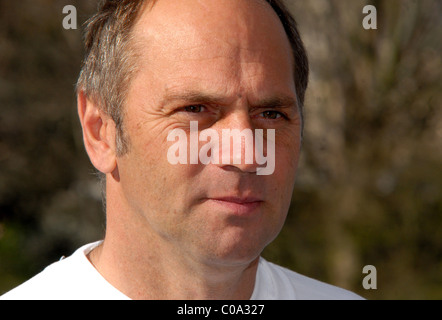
194, 108
272, 115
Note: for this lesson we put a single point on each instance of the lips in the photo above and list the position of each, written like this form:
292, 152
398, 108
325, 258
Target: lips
238, 206
237, 200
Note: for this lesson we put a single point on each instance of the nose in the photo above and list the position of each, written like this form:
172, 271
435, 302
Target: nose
237, 143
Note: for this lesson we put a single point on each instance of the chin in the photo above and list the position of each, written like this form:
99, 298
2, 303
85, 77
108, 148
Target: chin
230, 240
236, 252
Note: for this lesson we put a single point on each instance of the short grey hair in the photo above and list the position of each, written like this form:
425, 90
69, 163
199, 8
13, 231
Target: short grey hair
109, 63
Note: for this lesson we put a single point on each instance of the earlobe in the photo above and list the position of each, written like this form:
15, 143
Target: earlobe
98, 134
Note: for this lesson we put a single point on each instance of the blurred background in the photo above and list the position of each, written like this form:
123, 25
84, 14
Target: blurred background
369, 187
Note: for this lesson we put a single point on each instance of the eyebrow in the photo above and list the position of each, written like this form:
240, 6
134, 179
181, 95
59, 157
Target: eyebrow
281, 101
192, 97
277, 101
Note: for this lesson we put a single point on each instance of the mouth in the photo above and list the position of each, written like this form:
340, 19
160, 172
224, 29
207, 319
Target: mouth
238, 206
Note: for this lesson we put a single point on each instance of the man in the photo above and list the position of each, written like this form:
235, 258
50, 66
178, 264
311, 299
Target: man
188, 230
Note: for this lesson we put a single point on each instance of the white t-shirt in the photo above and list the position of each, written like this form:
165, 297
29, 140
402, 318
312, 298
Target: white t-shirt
75, 278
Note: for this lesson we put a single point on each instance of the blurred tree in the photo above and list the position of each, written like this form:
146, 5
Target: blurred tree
372, 149
48, 197
369, 185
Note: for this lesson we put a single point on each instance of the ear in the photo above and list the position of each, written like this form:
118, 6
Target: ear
99, 134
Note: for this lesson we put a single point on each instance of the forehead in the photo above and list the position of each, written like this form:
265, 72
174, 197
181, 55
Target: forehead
188, 24
212, 40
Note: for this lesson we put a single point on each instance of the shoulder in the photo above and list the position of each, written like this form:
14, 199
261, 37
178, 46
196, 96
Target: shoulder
287, 284
68, 279
42, 285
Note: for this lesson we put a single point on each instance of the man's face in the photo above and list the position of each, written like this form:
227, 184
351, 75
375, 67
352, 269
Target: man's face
226, 64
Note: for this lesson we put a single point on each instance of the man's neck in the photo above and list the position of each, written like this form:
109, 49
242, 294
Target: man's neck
150, 268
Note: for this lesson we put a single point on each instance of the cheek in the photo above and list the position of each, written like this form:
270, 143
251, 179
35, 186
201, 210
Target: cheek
286, 164
158, 179
142, 169
287, 151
